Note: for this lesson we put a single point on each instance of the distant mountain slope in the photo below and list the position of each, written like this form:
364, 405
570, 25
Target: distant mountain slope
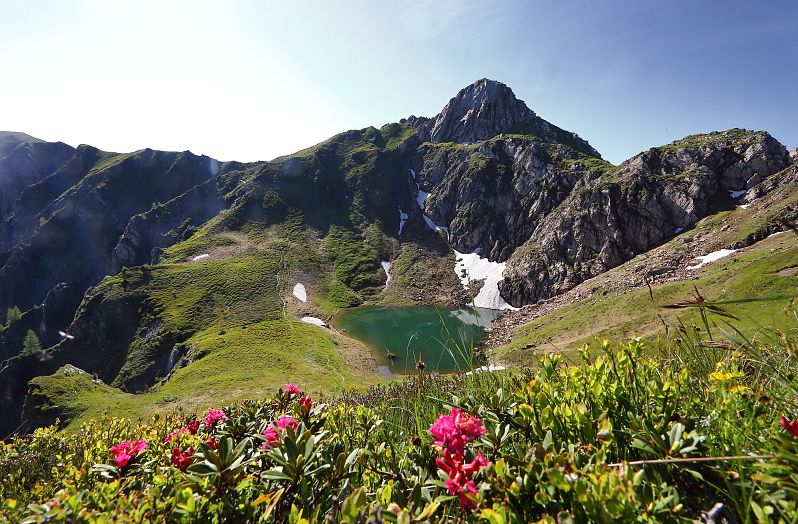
151, 260
759, 261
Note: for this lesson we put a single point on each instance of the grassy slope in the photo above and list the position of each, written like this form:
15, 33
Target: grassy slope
752, 273
607, 312
244, 362
234, 310
237, 307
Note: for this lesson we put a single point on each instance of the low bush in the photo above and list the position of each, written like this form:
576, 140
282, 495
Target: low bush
620, 433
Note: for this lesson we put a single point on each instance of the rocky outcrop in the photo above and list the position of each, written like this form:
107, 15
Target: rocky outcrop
24, 165
76, 233
642, 204
25, 161
488, 108
43, 401
492, 195
165, 225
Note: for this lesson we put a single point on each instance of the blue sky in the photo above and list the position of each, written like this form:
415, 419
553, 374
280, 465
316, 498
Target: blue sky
254, 80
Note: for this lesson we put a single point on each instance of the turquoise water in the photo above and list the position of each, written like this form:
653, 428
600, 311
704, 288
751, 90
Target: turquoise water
443, 336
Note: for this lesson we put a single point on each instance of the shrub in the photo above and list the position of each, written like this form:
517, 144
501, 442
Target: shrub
619, 434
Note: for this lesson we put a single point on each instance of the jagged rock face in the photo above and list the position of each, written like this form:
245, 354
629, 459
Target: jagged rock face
794, 154
24, 167
480, 111
25, 163
609, 222
485, 109
77, 215
164, 225
492, 195
77, 233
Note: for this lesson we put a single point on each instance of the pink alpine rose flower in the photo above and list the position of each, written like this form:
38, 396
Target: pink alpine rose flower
213, 416
468, 424
272, 433
176, 434
455, 430
791, 427
286, 421
460, 476
271, 436
182, 459
126, 450
451, 433
292, 389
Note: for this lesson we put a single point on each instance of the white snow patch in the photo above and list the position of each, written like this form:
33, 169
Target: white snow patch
778, 233
315, 321
490, 368
678, 230
715, 255
200, 257
744, 206
422, 195
435, 227
736, 194
300, 292
402, 219
386, 266
472, 267
422, 198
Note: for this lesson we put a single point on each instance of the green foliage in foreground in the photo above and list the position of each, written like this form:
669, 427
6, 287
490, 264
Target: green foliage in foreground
563, 444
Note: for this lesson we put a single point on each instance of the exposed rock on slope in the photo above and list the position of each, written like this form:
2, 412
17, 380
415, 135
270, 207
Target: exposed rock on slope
638, 207
492, 195
63, 226
488, 108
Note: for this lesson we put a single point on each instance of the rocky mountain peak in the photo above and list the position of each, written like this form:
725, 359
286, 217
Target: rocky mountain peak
480, 111
488, 108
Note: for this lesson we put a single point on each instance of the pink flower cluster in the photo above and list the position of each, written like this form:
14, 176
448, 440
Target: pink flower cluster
189, 429
791, 427
460, 474
292, 389
452, 432
182, 459
213, 416
271, 433
126, 450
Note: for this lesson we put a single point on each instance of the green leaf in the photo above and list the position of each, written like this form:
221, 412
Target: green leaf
353, 505
277, 474
547, 440
492, 516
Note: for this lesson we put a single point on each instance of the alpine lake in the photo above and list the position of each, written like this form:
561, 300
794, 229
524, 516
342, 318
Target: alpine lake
443, 338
